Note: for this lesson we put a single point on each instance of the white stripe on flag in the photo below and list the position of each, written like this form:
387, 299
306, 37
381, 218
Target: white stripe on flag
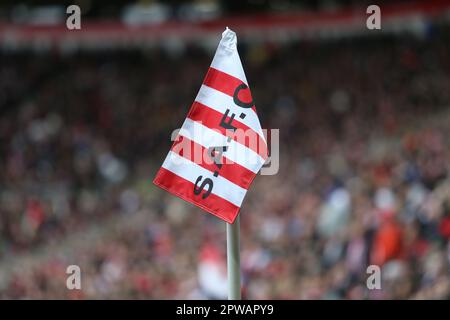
220, 102
236, 152
190, 171
229, 62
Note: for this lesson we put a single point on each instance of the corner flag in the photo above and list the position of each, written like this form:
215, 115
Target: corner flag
220, 147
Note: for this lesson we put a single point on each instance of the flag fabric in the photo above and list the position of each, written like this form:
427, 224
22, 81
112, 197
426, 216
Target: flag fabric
220, 147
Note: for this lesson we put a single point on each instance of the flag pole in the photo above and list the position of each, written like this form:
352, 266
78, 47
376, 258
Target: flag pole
233, 261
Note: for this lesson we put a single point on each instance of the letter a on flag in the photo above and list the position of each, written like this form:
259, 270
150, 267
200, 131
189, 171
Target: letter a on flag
220, 147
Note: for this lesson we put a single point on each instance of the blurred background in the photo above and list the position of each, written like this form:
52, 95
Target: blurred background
364, 118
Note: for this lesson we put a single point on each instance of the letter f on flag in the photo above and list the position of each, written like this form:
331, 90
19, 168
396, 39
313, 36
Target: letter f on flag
220, 147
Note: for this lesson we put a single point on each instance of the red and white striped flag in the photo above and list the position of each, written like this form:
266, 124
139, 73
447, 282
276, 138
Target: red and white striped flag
220, 147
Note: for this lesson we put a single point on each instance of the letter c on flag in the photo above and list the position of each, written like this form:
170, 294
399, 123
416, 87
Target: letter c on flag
236, 100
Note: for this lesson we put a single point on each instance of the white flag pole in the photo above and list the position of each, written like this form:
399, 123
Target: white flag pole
233, 260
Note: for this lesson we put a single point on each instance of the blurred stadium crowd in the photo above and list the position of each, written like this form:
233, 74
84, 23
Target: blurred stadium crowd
364, 173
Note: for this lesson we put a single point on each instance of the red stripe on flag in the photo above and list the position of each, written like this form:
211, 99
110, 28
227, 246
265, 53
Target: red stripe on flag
212, 119
184, 189
229, 170
227, 84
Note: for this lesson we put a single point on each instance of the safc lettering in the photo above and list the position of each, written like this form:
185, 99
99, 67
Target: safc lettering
216, 153
246, 309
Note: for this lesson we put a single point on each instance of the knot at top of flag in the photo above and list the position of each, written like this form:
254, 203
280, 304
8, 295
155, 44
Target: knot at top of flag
229, 39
